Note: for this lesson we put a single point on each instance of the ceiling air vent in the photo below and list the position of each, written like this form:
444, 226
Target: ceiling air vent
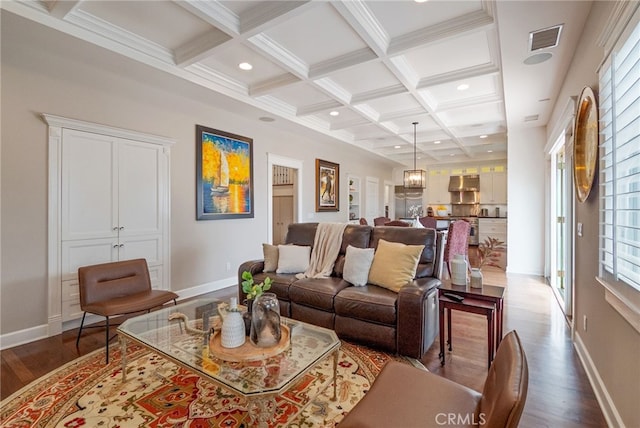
531, 118
545, 38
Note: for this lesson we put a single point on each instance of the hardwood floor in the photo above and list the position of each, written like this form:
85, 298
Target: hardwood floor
559, 392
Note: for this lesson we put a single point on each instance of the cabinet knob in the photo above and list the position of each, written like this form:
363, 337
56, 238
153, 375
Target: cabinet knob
121, 245
121, 228
115, 245
115, 228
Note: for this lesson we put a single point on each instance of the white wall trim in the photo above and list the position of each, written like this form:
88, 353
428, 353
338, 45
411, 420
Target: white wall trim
607, 405
272, 160
20, 337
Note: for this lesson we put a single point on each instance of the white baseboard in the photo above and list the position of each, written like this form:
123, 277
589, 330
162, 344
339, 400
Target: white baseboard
20, 337
609, 410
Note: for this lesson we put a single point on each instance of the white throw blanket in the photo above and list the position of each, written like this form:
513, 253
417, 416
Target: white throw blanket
326, 247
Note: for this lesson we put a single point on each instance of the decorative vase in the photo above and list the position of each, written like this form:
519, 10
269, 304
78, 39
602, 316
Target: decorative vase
459, 270
233, 327
476, 278
246, 316
265, 321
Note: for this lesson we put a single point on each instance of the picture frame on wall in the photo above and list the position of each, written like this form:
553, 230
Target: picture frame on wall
327, 186
224, 175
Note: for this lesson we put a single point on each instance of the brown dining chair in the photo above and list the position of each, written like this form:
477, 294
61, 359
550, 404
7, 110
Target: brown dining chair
380, 221
397, 223
363, 221
428, 222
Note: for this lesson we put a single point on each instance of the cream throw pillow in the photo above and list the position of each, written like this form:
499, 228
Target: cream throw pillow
394, 264
357, 262
270, 257
293, 258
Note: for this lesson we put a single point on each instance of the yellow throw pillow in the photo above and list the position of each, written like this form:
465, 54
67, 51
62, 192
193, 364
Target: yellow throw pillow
394, 264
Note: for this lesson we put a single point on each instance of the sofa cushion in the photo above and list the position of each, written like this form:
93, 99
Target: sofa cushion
357, 264
369, 303
293, 258
270, 257
317, 292
280, 283
394, 264
411, 236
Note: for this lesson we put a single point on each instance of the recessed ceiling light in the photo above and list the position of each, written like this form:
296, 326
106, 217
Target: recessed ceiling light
451, 154
489, 151
437, 142
420, 1
483, 136
245, 66
463, 87
266, 119
396, 147
334, 113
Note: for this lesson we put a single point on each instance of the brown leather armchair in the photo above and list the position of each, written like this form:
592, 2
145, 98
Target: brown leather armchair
118, 288
405, 396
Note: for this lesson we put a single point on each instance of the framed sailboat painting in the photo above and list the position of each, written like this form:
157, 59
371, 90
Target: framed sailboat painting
224, 175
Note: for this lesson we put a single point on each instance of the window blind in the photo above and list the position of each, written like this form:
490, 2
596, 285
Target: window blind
620, 163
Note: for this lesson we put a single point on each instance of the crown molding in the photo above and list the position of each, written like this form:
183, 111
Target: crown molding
342, 61
359, 16
199, 48
214, 13
317, 107
378, 93
280, 54
269, 85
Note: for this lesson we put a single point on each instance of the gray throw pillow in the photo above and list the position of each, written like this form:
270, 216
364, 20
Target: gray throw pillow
270, 257
357, 262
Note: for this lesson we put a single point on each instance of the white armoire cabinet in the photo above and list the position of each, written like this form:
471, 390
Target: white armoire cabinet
109, 201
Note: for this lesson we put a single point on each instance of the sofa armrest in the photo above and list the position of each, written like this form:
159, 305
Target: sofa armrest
417, 316
251, 266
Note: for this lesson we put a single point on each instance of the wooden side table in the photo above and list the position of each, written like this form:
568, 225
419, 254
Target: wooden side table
474, 306
476, 300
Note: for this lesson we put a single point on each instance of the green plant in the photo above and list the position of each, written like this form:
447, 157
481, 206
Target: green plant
489, 252
251, 289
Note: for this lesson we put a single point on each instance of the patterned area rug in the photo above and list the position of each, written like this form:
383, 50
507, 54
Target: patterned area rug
158, 393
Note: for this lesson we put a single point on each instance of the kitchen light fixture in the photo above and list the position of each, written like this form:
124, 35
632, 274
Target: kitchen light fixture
245, 66
415, 178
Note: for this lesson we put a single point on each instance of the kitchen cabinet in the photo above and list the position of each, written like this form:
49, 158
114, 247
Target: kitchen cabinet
493, 185
112, 199
438, 187
494, 228
355, 200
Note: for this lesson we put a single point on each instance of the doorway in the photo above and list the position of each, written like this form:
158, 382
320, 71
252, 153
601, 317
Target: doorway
560, 274
284, 202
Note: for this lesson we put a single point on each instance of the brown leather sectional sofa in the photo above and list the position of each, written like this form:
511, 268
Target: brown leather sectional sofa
405, 323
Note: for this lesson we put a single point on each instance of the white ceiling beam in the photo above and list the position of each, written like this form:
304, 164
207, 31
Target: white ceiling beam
341, 62
357, 121
60, 9
214, 13
269, 13
199, 48
378, 93
269, 85
358, 15
281, 55
462, 74
451, 28
318, 107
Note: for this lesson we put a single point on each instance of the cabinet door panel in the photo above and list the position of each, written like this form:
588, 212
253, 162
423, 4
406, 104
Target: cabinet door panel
86, 252
141, 247
139, 188
89, 209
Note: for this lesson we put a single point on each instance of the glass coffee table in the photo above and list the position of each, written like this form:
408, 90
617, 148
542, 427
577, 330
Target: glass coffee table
184, 340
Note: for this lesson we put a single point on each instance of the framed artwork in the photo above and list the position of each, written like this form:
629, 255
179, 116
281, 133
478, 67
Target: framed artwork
327, 186
224, 175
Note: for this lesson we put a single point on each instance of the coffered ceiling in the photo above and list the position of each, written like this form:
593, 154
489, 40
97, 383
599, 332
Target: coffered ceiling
359, 71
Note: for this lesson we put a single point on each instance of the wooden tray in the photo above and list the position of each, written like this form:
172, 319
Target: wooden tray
248, 351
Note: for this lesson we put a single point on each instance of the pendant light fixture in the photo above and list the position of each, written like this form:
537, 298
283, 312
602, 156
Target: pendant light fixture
415, 178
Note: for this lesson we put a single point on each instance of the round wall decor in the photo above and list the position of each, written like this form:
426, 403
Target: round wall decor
585, 146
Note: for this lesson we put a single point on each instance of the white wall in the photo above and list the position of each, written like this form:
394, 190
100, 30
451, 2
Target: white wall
526, 203
44, 71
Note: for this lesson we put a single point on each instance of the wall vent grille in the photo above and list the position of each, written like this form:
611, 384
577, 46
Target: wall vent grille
545, 38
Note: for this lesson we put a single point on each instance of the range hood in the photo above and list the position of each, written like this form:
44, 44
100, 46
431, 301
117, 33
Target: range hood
464, 183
